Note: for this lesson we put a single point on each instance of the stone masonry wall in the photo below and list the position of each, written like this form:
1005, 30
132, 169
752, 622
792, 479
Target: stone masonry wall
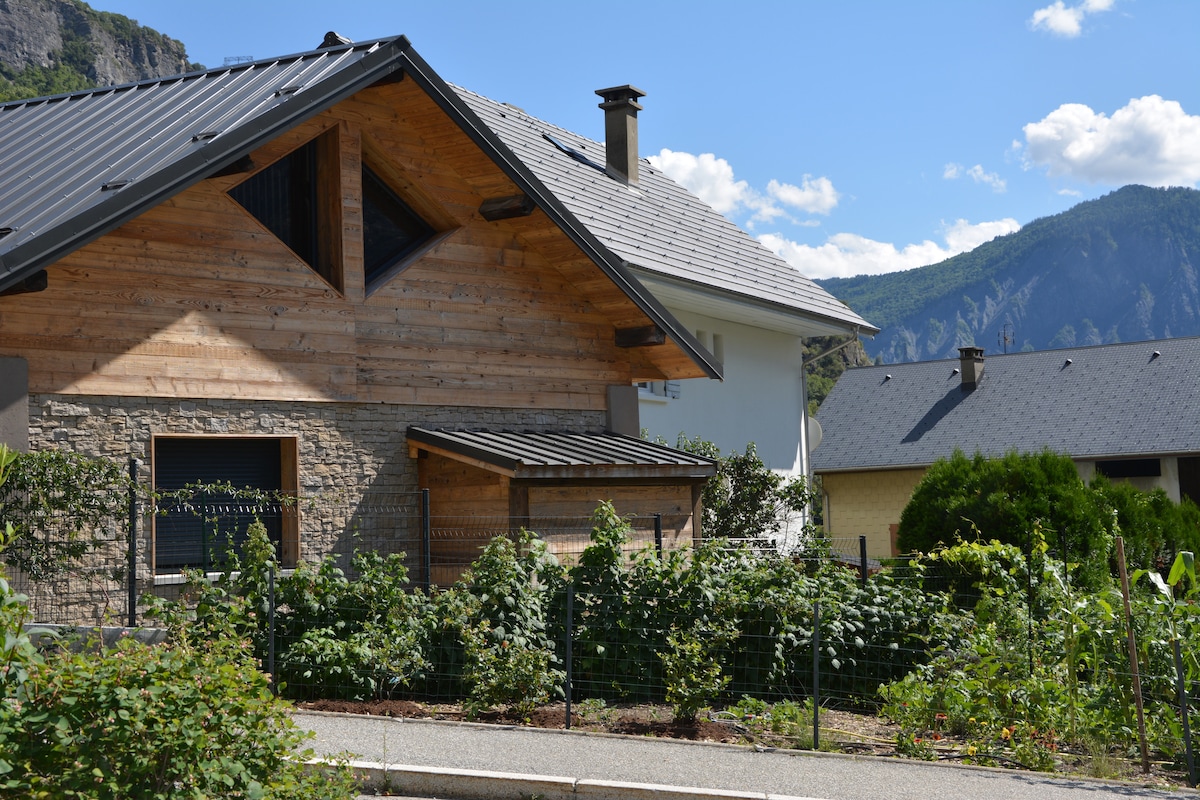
356, 478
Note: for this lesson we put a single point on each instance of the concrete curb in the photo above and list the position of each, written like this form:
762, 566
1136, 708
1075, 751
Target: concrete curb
487, 785
470, 784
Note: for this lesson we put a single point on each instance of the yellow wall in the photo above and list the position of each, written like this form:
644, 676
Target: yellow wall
867, 504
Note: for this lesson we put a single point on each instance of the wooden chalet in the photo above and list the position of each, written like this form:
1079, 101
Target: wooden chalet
314, 274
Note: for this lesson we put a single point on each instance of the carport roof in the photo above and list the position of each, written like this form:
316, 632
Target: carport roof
542, 455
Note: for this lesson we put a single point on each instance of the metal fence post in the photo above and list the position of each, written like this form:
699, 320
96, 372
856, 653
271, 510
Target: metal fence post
862, 559
816, 692
131, 578
658, 543
570, 623
271, 627
426, 536
1183, 712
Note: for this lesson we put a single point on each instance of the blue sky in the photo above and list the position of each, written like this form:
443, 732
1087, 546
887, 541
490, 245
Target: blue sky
849, 136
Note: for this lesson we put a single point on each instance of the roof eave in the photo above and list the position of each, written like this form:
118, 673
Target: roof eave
801, 318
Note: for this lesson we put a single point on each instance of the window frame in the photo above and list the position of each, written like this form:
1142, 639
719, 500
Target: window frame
289, 482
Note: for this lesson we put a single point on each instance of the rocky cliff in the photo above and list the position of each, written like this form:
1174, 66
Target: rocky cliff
60, 45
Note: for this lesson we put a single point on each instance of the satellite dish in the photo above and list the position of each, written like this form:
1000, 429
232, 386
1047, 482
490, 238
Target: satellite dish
814, 434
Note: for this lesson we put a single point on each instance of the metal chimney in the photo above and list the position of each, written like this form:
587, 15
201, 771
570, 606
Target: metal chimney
970, 360
621, 131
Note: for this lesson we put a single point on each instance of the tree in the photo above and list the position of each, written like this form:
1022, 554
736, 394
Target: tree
745, 499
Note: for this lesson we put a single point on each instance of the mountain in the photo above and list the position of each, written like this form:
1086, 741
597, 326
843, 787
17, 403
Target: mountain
53, 46
1119, 268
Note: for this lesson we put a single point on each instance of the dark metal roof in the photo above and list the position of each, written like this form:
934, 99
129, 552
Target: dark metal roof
529, 454
1108, 401
79, 165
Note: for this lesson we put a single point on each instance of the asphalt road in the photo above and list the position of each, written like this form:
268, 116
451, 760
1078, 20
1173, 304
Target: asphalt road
425, 743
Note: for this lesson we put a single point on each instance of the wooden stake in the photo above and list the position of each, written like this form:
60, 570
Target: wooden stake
1133, 660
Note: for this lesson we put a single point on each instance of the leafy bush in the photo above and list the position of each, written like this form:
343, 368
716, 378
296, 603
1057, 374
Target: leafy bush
164, 721
1154, 528
195, 718
745, 499
692, 671
58, 502
1004, 499
509, 658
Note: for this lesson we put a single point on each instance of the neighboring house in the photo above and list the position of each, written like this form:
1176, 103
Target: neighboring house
742, 302
1129, 411
327, 274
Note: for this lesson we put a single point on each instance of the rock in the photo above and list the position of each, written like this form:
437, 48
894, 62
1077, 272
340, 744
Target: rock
107, 48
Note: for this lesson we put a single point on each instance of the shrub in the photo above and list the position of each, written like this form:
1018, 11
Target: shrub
509, 658
158, 722
745, 499
692, 669
58, 502
1154, 528
195, 718
1004, 499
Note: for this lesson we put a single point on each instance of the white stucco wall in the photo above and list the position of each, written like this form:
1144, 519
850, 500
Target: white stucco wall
761, 399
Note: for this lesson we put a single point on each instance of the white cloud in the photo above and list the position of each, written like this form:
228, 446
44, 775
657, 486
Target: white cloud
711, 179
846, 254
978, 174
1150, 140
706, 176
987, 178
815, 195
1066, 21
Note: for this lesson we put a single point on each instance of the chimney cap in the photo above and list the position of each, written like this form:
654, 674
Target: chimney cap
616, 96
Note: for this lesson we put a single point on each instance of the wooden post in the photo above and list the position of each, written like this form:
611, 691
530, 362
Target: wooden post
1133, 660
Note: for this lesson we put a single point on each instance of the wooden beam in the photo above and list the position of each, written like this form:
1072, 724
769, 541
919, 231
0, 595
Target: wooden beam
644, 336
243, 164
498, 208
37, 282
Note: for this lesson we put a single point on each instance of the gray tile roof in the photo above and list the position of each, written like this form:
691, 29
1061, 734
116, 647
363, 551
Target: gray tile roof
1115, 401
530, 454
659, 227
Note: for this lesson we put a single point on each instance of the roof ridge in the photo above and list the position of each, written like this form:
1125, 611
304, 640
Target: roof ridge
194, 74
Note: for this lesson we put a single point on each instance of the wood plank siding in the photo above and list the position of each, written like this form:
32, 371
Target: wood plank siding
196, 298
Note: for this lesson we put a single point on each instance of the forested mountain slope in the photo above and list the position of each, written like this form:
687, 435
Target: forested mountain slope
1119, 268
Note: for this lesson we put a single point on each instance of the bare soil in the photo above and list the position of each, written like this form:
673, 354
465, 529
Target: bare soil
840, 731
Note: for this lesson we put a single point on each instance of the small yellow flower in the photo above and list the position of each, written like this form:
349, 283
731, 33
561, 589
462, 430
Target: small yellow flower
971, 720
1006, 733
972, 749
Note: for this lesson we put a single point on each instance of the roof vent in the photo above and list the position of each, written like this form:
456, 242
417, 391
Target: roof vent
333, 39
970, 360
621, 131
